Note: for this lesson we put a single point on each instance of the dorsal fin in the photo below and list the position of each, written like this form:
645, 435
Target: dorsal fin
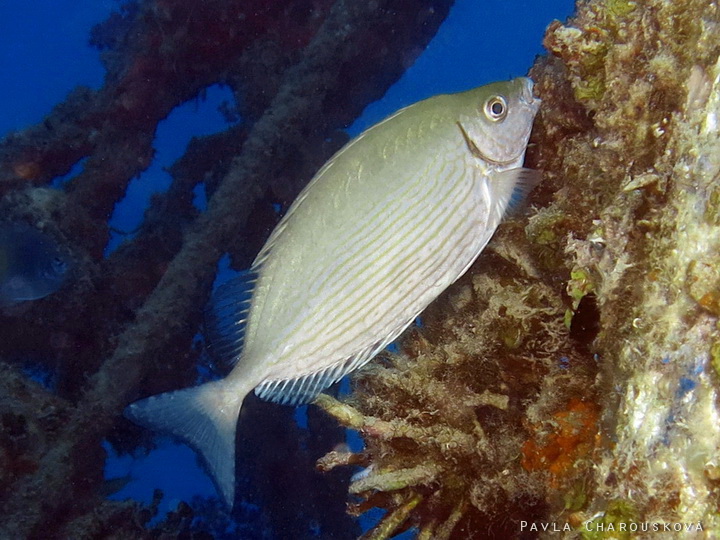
226, 315
306, 388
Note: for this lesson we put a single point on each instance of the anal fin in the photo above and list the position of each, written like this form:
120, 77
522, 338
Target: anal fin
306, 388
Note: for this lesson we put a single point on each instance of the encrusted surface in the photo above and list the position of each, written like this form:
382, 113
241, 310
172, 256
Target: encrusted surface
612, 416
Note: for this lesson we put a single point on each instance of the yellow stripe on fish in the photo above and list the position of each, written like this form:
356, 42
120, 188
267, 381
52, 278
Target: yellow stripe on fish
390, 221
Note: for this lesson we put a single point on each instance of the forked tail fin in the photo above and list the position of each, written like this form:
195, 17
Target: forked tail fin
205, 417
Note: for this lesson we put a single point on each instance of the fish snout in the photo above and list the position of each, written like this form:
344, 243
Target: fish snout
527, 97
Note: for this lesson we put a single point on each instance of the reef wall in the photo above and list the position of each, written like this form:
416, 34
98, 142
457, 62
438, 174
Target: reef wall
572, 376
124, 326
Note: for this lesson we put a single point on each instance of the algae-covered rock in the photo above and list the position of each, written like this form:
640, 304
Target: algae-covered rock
572, 376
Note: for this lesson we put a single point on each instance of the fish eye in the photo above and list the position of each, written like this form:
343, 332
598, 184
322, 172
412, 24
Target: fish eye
496, 108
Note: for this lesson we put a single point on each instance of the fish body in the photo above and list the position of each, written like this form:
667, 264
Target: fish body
32, 265
390, 221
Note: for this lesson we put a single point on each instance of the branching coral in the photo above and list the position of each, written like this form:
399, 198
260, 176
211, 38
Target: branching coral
612, 417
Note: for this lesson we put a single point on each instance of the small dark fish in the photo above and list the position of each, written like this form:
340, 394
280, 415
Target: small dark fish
32, 265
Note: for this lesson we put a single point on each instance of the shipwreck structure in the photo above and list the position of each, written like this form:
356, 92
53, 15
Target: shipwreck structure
124, 327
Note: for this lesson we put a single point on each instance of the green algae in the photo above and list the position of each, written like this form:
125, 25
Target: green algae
613, 523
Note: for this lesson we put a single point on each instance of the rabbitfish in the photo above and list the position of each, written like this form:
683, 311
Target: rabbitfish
32, 266
393, 218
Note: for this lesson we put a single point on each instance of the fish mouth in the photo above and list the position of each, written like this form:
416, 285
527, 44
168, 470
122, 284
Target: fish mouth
527, 97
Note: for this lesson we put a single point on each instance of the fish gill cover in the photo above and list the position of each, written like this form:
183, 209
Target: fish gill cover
571, 376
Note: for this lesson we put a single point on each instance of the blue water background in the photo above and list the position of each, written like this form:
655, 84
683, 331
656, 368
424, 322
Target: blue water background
44, 54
